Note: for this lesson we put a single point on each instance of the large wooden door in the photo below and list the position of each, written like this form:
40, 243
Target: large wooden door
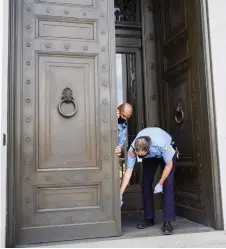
182, 108
67, 176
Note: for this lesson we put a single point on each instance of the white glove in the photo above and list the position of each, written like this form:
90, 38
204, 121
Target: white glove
121, 200
158, 189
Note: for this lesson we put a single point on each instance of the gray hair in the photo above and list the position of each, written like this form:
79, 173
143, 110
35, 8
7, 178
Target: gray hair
142, 144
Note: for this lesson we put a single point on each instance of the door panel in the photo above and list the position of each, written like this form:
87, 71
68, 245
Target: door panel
68, 186
181, 103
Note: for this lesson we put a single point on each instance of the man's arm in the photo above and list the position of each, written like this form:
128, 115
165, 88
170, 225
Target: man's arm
125, 180
167, 157
129, 169
166, 172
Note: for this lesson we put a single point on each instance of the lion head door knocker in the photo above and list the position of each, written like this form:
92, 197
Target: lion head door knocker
67, 97
179, 112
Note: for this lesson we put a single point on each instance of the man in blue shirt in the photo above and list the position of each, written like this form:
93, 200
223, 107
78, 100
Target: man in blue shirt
124, 113
154, 147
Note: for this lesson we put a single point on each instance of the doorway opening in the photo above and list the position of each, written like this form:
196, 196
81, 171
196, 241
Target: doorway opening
160, 71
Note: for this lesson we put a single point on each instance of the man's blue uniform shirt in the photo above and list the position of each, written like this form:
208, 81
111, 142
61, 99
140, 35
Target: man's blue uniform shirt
160, 146
122, 133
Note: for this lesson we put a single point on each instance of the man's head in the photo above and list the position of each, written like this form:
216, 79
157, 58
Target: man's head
125, 111
142, 146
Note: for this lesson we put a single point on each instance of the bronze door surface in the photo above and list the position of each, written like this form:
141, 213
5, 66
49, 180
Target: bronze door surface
67, 177
182, 108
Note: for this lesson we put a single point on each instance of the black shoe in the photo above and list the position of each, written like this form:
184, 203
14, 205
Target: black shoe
146, 223
167, 228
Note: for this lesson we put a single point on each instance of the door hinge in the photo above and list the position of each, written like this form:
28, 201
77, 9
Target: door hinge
4, 139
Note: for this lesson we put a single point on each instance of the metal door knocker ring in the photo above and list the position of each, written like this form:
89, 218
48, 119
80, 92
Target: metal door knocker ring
179, 113
67, 97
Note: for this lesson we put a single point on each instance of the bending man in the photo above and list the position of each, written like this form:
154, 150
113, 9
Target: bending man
154, 147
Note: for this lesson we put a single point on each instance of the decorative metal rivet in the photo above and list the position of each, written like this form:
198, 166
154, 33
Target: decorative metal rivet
27, 139
149, 8
196, 106
198, 154
66, 47
28, 63
102, 14
85, 47
27, 200
194, 89
48, 45
152, 66
89, 215
105, 120
28, 82
27, 160
27, 179
106, 158
106, 176
104, 101
48, 178
115, 129
87, 178
28, 9
104, 83
200, 165
151, 36
69, 219
105, 138
197, 121
103, 49
66, 12
28, 26
104, 66
47, 10
84, 14
153, 96
28, 120
107, 196
198, 138
28, 44
102, 31
28, 101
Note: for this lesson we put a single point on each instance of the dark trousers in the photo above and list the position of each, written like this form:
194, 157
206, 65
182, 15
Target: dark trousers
150, 166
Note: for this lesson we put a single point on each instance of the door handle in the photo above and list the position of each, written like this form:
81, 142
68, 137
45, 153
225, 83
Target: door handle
179, 113
67, 97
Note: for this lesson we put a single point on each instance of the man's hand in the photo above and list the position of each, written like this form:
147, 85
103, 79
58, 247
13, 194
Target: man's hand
118, 113
118, 150
158, 189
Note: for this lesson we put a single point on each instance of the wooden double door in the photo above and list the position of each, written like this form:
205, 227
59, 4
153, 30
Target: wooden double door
64, 180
